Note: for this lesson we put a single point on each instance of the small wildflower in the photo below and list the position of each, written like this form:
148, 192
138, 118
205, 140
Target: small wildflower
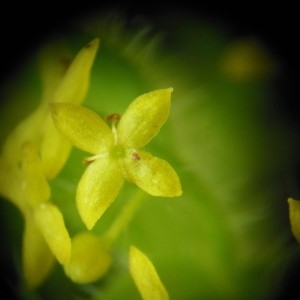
116, 152
145, 276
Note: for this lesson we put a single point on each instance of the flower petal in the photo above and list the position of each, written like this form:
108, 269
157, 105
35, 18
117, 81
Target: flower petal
11, 183
74, 84
53, 64
27, 130
90, 259
153, 175
37, 256
36, 188
54, 149
294, 211
144, 117
50, 222
145, 276
84, 128
97, 189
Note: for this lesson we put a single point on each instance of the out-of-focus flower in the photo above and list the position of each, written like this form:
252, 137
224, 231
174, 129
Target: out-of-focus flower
35, 152
45, 232
294, 212
61, 84
247, 60
116, 151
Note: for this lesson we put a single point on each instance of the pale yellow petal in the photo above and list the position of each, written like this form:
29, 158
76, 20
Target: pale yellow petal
11, 180
37, 258
36, 187
145, 276
153, 175
97, 189
54, 149
143, 118
50, 222
28, 129
53, 63
75, 83
82, 127
90, 259
294, 212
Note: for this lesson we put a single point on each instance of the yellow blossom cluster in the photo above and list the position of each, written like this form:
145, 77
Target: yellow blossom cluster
37, 150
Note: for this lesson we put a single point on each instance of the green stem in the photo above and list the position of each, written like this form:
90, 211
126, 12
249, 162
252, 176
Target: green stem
124, 217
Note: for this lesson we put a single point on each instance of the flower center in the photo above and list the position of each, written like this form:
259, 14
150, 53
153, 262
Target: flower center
117, 151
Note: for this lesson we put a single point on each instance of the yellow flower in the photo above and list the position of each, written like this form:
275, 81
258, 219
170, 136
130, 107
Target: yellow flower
116, 152
294, 213
23, 171
61, 83
45, 233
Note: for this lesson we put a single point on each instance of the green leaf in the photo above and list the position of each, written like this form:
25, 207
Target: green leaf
145, 276
152, 174
82, 127
97, 189
143, 118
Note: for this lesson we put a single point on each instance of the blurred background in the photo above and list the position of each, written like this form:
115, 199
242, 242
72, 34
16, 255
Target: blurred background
28, 24
242, 156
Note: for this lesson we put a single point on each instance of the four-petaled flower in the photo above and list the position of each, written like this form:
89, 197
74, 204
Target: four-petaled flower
116, 151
